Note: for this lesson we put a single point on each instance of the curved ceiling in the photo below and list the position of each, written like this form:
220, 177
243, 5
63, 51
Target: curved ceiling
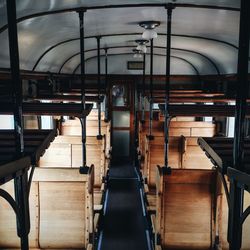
205, 33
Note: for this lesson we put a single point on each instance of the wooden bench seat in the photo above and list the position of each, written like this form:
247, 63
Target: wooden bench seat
73, 127
66, 152
184, 208
61, 206
184, 152
177, 129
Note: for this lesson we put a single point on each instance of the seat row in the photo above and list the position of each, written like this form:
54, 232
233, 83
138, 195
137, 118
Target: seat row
65, 205
187, 205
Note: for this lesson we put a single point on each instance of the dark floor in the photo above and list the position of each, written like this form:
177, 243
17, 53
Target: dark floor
124, 226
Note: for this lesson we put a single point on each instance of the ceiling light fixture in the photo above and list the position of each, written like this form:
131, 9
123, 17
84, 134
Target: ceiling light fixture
149, 27
142, 45
137, 53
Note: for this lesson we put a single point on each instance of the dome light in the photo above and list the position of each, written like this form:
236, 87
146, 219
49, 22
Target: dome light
142, 45
137, 53
149, 27
149, 34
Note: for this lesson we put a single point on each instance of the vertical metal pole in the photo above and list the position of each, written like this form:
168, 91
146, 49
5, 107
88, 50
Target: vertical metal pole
21, 183
151, 89
167, 83
99, 136
236, 193
106, 87
82, 52
136, 141
143, 89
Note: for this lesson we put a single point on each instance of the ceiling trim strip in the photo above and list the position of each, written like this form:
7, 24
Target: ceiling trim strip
127, 34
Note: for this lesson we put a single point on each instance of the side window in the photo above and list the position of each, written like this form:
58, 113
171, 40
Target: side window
6, 122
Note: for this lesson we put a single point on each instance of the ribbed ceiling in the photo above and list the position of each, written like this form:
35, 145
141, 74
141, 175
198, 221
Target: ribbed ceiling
204, 35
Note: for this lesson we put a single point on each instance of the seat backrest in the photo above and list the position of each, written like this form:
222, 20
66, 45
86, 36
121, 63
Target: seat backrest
155, 156
184, 208
66, 152
184, 152
61, 210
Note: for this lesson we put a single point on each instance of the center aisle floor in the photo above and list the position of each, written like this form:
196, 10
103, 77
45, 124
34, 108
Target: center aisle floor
124, 226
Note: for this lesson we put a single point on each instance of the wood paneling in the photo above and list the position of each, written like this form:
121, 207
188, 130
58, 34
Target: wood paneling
184, 209
57, 155
63, 216
66, 152
8, 232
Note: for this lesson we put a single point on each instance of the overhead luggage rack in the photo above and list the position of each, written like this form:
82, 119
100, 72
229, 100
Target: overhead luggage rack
37, 142
10, 169
69, 98
220, 152
201, 110
53, 109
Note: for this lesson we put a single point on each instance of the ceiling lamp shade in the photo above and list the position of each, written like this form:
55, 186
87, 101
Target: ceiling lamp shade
141, 45
149, 27
142, 48
137, 53
149, 34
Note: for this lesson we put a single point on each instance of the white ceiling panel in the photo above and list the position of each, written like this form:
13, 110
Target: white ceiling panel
119, 28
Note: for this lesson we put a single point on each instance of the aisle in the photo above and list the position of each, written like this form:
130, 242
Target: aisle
124, 225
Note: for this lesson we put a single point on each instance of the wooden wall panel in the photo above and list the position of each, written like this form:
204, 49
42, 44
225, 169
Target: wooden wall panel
8, 233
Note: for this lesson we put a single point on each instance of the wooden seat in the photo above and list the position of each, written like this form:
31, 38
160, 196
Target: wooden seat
61, 206
176, 129
155, 156
73, 127
184, 152
66, 152
184, 208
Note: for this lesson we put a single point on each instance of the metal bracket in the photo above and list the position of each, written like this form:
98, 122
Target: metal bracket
99, 137
84, 170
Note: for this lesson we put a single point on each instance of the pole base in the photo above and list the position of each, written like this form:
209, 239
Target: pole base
99, 137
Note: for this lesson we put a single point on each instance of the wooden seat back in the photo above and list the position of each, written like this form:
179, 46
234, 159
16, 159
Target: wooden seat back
155, 156
192, 128
73, 127
61, 207
184, 208
177, 128
66, 152
193, 156
157, 130
8, 231
184, 152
